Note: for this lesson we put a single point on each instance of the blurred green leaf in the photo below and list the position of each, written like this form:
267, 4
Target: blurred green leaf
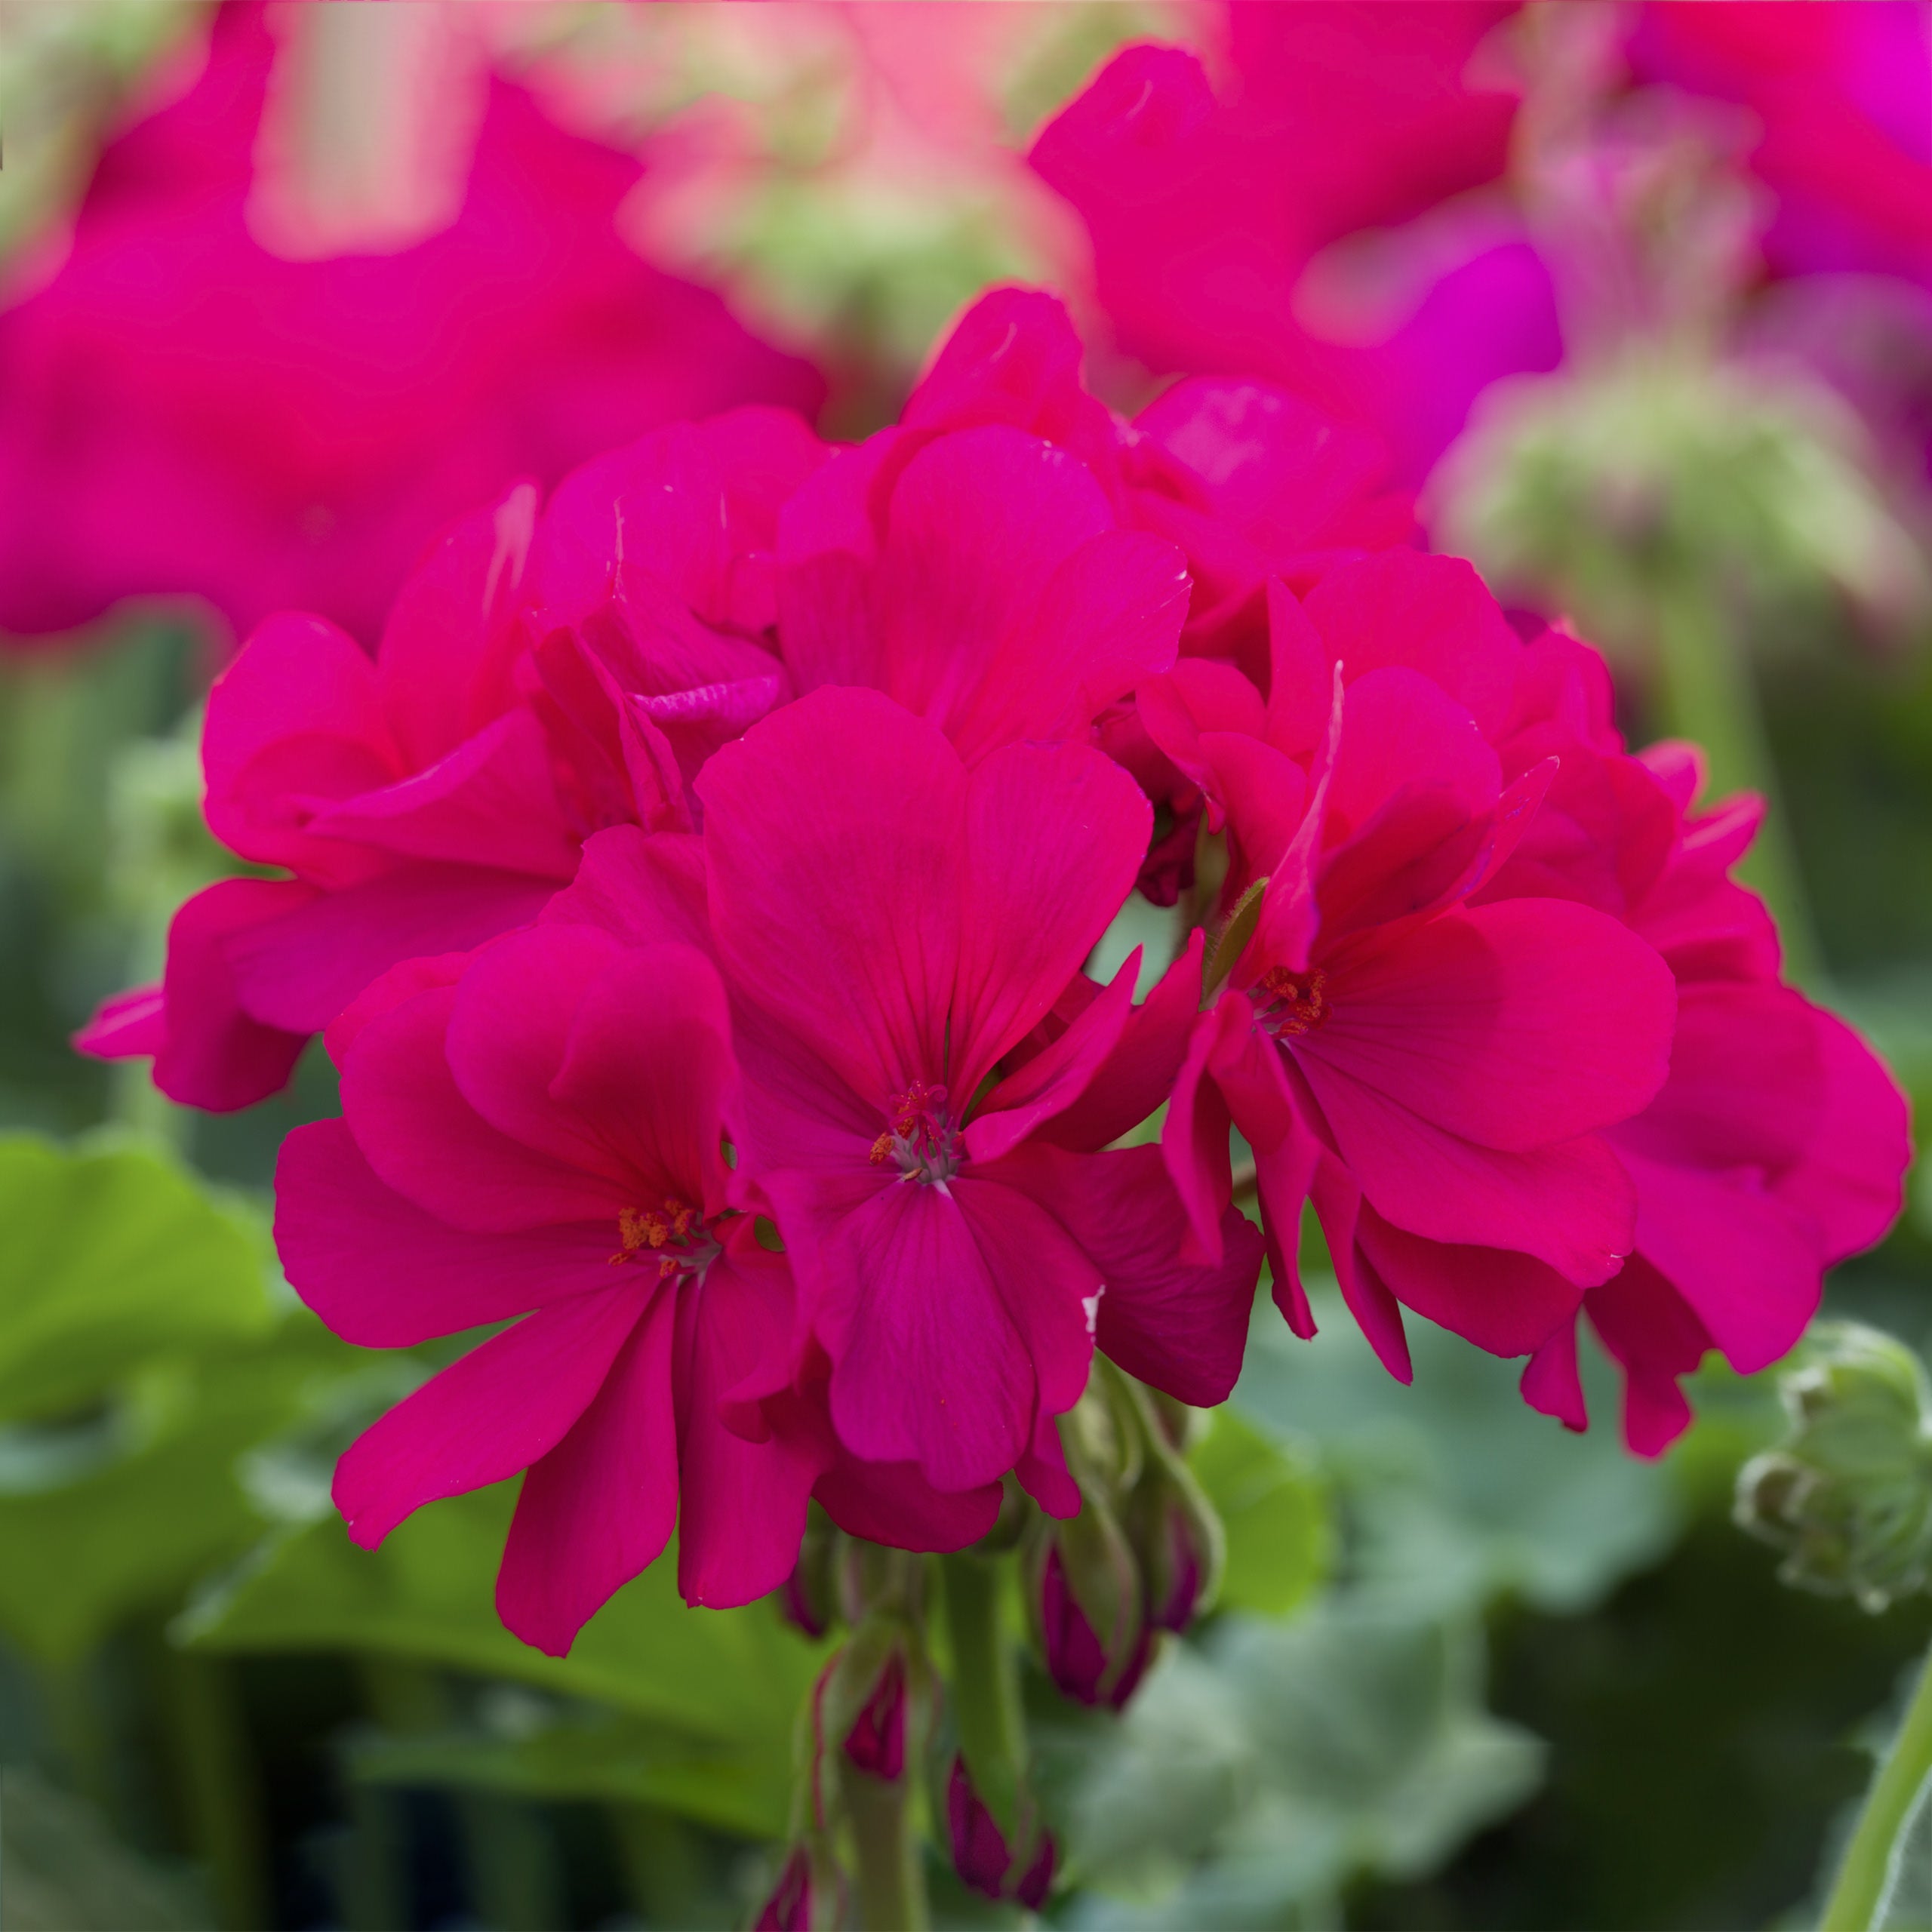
692, 1680
113, 1258
65, 1871
1274, 1510
543, 1748
123, 1512
1455, 1490
1261, 1769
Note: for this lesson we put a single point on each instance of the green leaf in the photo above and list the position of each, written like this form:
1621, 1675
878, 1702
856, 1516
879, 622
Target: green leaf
112, 1258
1274, 1510
121, 1514
1259, 1771
563, 1752
65, 1871
1455, 1491
706, 1677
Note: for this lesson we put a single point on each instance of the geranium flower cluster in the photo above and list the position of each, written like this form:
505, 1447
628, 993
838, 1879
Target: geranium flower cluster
695, 890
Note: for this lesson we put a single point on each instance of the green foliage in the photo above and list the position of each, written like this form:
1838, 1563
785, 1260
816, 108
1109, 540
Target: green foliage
1456, 1492
705, 1700
140, 1355
113, 1259
1273, 1505
65, 1871
1259, 1771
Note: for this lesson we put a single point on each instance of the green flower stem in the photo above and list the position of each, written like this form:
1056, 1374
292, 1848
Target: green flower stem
985, 1687
78, 1724
1706, 693
891, 1877
1860, 1885
220, 1785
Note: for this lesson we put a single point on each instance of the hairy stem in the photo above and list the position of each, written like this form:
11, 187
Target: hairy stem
985, 1687
1866, 1875
891, 1879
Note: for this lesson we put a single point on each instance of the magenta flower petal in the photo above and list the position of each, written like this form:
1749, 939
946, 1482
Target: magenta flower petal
831, 832
425, 1139
1054, 836
515, 1009
979, 523
1034, 1094
384, 1274
217, 1053
299, 969
1512, 1025
1742, 1260
929, 1365
1134, 1079
1179, 1326
1570, 1204
487, 796
743, 1504
491, 1413
1504, 1301
599, 1508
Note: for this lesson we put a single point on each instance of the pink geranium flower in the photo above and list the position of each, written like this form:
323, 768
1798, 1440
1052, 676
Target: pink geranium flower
1488, 848
1249, 482
436, 795
980, 578
1434, 1073
1205, 213
1776, 1148
542, 1138
893, 925
183, 412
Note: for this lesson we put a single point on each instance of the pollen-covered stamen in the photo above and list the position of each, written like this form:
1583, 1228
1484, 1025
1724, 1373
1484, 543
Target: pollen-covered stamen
922, 1136
1291, 1003
676, 1234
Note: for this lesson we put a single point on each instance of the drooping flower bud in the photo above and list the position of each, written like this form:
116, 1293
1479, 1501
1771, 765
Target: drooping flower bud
981, 1854
1177, 1564
1081, 1663
876, 1743
790, 1907
809, 1598
1848, 1496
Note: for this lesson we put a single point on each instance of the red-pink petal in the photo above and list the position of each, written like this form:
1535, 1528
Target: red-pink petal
1513, 1026
491, 1413
600, 1506
384, 1274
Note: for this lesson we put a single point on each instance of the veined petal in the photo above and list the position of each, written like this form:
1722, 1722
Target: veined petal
492, 1412
600, 1506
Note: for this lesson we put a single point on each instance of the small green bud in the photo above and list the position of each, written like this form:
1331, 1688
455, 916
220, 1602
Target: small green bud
1847, 1495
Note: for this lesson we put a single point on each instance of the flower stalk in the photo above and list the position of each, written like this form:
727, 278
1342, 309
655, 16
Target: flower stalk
1871, 1860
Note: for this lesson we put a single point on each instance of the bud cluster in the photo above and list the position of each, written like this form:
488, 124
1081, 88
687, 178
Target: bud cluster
1847, 1495
1125, 1547
1143, 1555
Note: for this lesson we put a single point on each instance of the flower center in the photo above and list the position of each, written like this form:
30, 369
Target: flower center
1291, 1003
921, 1136
675, 1234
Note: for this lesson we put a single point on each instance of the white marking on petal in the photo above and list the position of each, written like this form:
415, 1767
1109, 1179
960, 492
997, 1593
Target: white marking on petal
1091, 1303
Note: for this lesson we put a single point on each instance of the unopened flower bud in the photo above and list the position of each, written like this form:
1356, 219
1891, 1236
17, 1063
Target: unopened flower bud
809, 1597
876, 1743
1080, 1664
1848, 1496
1176, 1566
981, 1854
790, 1907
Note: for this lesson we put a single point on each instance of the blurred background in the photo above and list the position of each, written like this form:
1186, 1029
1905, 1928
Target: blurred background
1640, 299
